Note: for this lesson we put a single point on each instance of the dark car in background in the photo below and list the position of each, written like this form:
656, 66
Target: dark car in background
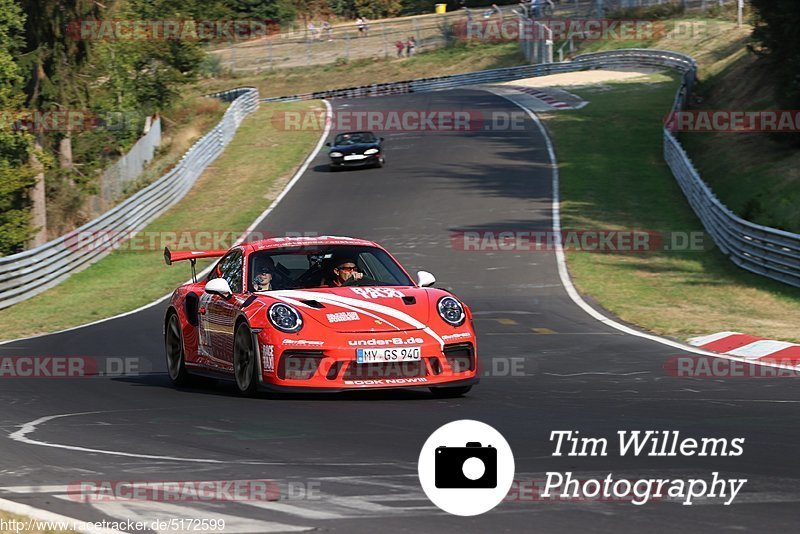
356, 149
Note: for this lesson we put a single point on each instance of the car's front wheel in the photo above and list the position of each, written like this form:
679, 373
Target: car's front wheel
245, 367
446, 393
173, 342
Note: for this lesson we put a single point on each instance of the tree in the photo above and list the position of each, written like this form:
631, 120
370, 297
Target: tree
378, 9
776, 30
279, 11
16, 177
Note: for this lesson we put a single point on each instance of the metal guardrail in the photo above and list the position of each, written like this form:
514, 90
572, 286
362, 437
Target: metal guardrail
31, 272
766, 251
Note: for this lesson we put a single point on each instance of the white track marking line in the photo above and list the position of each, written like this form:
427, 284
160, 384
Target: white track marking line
705, 340
21, 436
295, 510
260, 218
30, 427
563, 272
38, 514
149, 511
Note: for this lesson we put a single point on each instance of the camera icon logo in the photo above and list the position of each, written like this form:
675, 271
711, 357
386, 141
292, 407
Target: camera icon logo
466, 467
472, 466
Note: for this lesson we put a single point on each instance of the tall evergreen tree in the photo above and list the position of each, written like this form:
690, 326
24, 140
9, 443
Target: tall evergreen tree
16, 177
778, 33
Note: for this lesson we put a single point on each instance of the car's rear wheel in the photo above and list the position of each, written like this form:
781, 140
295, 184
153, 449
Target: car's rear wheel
446, 393
245, 367
173, 341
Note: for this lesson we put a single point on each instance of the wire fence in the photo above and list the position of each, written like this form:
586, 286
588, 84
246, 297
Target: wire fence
390, 38
769, 252
129, 167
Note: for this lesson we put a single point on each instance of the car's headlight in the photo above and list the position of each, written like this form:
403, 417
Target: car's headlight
335, 154
371, 151
285, 318
451, 311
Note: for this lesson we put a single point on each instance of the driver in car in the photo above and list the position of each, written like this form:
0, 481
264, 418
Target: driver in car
345, 273
265, 274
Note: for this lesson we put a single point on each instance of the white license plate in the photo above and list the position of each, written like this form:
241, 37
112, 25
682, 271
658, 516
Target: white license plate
351, 157
391, 354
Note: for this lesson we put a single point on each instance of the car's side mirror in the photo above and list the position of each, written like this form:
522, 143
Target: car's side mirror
425, 279
327, 144
219, 286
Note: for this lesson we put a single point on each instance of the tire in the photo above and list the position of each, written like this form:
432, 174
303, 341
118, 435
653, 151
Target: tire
333, 168
448, 393
381, 163
173, 343
245, 366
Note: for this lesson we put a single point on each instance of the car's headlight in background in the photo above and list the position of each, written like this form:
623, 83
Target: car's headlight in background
371, 151
285, 318
451, 311
335, 154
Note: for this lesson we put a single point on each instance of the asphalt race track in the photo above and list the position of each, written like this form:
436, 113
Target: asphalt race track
359, 450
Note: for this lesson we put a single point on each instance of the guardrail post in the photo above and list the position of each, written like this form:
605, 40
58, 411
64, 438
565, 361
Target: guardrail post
271, 68
740, 13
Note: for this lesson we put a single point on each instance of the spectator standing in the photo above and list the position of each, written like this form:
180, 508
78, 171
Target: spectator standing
362, 26
312, 31
400, 46
327, 29
411, 46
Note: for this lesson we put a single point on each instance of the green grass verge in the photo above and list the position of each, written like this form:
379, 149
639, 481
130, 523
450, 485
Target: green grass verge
613, 176
232, 192
756, 175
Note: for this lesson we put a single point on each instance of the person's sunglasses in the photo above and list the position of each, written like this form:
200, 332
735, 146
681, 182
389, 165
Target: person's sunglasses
347, 268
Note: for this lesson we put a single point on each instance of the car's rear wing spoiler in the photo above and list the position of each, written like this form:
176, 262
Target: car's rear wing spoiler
192, 256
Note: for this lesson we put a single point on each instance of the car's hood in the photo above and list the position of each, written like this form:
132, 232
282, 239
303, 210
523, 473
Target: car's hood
362, 309
354, 149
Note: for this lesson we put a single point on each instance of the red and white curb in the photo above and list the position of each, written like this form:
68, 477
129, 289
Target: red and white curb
547, 98
750, 348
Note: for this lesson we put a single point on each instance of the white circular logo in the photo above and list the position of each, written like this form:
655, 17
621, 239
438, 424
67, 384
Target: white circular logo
466, 467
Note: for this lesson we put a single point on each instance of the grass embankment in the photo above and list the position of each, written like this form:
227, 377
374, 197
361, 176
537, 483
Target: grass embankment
613, 176
757, 175
452, 60
231, 194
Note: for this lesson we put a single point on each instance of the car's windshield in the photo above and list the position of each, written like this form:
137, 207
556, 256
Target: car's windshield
354, 138
306, 267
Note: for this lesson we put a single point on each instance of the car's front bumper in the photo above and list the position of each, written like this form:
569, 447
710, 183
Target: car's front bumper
290, 363
373, 159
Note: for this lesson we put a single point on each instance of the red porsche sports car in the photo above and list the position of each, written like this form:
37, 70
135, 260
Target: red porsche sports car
321, 314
